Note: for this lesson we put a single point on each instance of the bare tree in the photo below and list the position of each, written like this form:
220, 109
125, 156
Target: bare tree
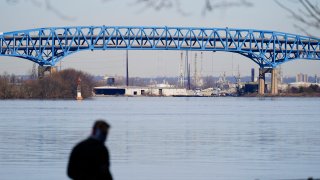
158, 5
44, 4
212, 5
208, 5
306, 15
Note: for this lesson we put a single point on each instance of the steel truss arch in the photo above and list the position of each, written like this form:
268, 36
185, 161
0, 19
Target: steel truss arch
47, 46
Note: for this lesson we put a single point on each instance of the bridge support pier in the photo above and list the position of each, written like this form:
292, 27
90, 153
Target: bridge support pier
44, 70
274, 80
262, 72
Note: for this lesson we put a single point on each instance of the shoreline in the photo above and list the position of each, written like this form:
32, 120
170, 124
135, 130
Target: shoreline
302, 95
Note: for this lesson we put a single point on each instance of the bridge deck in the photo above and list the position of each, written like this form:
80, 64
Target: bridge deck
145, 38
158, 47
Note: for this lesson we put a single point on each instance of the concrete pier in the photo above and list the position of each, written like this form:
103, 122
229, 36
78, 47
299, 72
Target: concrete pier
262, 81
274, 80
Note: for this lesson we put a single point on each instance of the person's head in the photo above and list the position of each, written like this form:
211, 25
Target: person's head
100, 130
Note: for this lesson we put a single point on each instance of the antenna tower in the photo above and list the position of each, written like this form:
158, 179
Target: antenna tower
195, 71
181, 78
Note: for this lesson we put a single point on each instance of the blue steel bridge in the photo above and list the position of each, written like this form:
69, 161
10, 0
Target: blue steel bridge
47, 46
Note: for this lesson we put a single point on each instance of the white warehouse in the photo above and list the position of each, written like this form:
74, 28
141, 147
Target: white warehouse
139, 91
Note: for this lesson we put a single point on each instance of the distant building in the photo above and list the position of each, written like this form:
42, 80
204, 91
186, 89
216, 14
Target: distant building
110, 81
139, 91
302, 78
251, 87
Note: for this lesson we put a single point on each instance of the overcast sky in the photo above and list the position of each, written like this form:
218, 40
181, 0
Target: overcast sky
264, 14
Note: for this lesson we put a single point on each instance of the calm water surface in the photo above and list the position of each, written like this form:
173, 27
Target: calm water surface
166, 138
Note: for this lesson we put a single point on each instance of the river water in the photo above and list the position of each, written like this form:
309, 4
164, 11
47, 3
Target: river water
158, 138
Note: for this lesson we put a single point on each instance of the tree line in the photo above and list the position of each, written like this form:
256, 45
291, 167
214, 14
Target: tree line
313, 89
59, 85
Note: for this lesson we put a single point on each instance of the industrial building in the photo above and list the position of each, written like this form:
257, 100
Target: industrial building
138, 91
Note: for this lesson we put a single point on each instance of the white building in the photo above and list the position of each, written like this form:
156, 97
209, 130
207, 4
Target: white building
139, 91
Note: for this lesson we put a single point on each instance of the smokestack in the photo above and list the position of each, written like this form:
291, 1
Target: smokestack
252, 74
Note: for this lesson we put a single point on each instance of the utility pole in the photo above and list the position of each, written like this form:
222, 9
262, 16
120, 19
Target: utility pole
238, 80
181, 78
188, 71
195, 71
201, 67
34, 71
127, 68
189, 80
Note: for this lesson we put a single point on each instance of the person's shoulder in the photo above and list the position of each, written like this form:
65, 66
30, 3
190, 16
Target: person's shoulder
91, 144
82, 143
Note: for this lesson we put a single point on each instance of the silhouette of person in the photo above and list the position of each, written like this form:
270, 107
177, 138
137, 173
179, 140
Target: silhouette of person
89, 159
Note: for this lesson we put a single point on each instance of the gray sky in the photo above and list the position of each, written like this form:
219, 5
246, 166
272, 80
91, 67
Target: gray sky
265, 14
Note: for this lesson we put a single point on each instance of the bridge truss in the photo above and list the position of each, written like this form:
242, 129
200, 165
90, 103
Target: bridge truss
46, 46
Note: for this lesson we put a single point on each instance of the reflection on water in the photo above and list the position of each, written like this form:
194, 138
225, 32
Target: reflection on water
166, 138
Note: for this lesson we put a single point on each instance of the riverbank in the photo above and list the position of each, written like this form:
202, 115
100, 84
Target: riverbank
283, 95
59, 85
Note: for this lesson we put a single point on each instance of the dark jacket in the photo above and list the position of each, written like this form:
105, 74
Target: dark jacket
89, 160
